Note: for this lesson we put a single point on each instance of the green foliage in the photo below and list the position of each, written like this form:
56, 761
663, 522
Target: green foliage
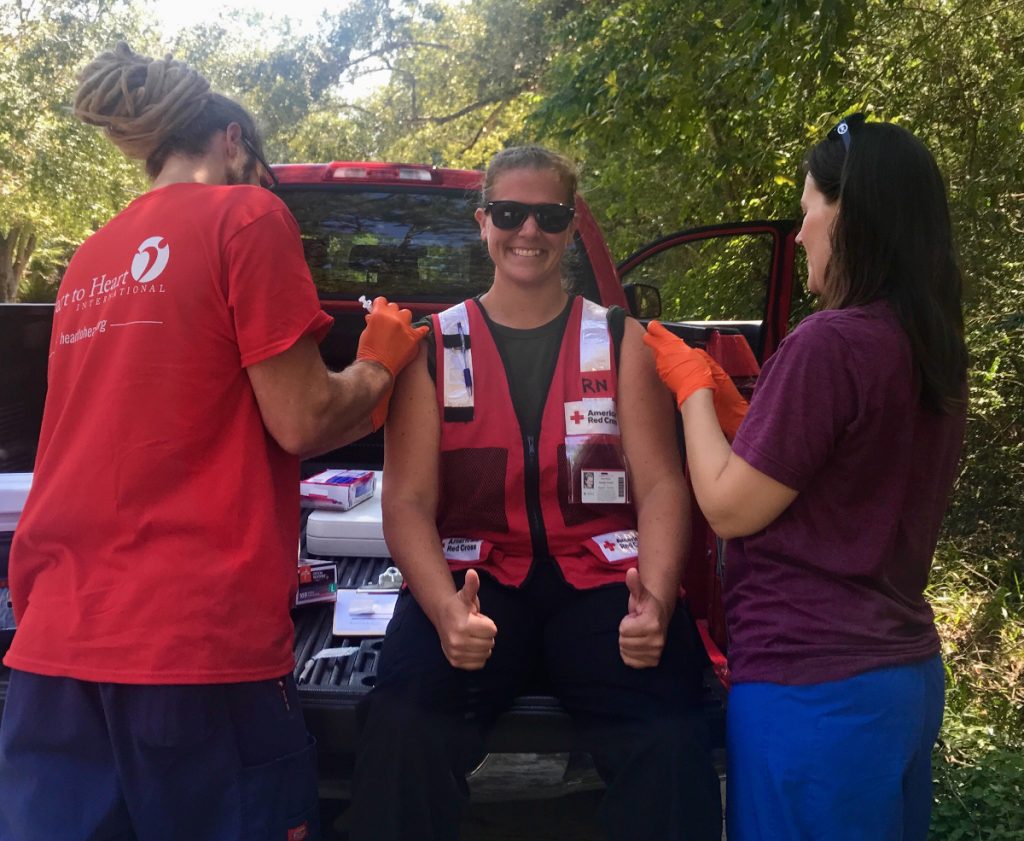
722, 279
982, 627
59, 176
45, 270
979, 788
459, 86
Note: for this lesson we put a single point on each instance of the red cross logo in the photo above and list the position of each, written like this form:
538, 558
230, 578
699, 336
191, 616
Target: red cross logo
576, 417
610, 545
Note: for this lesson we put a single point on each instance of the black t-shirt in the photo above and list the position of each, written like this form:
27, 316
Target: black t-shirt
530, 357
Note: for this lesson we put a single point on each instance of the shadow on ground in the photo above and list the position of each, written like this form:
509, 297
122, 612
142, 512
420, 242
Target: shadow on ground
569, 818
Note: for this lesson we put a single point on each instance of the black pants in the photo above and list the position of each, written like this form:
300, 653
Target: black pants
423, 725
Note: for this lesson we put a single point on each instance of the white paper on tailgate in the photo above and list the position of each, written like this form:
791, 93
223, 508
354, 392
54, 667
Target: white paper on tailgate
13, 492
357, 532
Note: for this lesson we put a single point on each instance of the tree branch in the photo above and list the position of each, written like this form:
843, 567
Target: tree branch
469, 109
483, 125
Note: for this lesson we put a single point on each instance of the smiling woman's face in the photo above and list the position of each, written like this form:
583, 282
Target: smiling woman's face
526, 255
815, 233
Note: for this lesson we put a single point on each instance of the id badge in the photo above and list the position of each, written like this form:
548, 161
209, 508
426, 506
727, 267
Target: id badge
598, 474
603, 486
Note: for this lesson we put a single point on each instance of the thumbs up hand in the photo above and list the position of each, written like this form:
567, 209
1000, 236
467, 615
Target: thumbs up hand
467, 636
643, 628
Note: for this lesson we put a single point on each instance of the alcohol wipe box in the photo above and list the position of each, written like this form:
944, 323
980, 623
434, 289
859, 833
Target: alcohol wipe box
337, 489
318, 582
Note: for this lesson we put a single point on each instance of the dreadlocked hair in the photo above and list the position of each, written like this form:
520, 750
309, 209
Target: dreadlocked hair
151, 109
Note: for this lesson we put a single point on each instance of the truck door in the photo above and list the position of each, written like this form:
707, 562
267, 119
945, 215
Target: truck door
738, 277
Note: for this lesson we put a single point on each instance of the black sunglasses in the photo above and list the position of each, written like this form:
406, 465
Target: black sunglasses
509, 215
845, 127
267, 177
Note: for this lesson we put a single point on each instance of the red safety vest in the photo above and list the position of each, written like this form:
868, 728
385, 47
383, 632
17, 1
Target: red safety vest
500, 489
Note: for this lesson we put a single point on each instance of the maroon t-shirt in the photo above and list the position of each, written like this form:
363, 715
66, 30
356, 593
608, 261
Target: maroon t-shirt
833, 587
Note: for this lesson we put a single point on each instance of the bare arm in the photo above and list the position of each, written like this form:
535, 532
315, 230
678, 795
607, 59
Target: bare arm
308, 409
661, 498
737, 499
659, 487
409, 502
410, 496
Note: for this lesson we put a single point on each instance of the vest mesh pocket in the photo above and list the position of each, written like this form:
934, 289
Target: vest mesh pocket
574, 513
473, 490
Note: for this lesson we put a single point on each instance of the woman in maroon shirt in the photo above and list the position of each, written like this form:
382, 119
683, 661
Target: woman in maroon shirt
832, 495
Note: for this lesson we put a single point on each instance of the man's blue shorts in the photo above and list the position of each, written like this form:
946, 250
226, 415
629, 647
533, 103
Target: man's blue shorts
845, 760
117, 762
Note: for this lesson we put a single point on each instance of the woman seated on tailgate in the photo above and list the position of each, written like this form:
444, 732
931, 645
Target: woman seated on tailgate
525, 452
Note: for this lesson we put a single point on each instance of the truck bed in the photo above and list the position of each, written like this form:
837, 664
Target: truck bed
331, 689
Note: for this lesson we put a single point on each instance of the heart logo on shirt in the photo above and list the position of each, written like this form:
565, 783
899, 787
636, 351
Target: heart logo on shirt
150, 260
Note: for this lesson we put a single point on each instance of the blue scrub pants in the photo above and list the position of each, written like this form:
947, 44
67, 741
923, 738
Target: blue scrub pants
118, 762
846, 760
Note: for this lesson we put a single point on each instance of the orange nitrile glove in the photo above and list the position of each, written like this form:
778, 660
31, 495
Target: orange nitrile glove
730, 407
680, 367
389, 337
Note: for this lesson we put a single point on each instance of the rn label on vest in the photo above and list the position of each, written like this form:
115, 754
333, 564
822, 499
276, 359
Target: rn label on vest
592, 416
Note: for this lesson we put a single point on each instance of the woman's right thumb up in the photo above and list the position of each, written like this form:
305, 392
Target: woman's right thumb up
470, 589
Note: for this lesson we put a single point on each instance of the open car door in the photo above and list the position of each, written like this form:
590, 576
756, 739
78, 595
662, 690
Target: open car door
736, 277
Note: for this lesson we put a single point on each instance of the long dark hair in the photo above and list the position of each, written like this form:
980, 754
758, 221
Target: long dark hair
892, 240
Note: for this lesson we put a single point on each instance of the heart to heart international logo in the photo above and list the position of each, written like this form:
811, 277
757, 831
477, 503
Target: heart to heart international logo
150, 260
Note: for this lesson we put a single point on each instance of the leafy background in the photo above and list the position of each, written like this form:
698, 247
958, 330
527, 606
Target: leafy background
680, 112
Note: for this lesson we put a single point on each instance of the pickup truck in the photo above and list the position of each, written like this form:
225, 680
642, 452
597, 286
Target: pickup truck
408, 232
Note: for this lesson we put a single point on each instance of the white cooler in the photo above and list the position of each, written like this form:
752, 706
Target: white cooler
357, 532
13, 492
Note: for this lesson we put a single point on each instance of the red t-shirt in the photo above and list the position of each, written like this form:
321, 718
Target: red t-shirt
158, 542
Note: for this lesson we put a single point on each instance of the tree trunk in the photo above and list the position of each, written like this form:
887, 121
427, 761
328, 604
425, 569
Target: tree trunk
16, 247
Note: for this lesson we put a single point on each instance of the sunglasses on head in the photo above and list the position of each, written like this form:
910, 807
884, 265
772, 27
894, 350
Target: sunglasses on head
846, 127
267, 177
509, 215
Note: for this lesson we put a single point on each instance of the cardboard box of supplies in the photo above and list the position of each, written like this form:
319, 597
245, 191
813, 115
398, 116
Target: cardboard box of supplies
318, 582
337, 489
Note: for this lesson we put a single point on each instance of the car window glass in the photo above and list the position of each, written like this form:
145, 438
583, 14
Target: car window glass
406, 244
723, 278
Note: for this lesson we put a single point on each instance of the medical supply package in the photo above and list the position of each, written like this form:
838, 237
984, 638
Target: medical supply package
337, 489
318, 582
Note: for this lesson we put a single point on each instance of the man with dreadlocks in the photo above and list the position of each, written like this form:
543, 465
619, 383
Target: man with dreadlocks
153, 570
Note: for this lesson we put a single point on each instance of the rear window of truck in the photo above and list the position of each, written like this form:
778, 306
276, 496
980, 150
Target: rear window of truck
407, 244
